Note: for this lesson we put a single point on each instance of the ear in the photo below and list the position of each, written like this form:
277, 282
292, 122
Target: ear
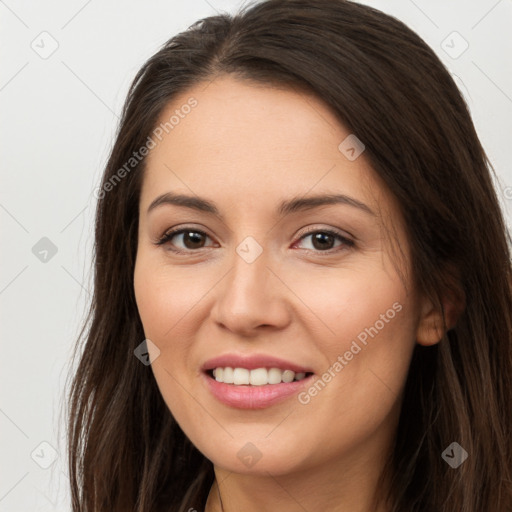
430, 327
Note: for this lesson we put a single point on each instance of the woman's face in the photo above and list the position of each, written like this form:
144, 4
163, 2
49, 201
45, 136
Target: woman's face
273, 279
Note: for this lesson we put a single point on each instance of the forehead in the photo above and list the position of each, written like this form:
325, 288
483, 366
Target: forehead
257, 145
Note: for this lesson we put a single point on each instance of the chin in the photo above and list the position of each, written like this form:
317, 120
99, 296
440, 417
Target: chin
259, 456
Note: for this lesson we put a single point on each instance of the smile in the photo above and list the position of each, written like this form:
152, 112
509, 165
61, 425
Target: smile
253, 381
246, 395
256, 377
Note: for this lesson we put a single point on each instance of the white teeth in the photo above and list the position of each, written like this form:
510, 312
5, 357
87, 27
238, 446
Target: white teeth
227, 376
288, 376
240, 376
274, 376
257, 377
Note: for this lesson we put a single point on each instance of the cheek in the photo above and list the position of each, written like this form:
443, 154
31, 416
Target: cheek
358, 305
367, 352
165, 297
163, 306
368, 342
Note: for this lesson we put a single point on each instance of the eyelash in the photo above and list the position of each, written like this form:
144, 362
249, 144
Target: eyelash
169, 235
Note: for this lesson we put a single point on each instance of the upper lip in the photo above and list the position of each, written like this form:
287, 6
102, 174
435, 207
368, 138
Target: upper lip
252, 362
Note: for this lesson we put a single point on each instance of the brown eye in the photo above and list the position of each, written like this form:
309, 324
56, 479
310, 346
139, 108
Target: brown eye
324, 240
191, 239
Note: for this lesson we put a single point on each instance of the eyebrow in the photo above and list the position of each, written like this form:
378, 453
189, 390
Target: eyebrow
293, 205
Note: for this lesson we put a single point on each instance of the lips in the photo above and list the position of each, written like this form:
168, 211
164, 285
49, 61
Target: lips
244, 395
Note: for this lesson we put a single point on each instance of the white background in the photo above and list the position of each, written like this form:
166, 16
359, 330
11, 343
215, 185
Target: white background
59, 115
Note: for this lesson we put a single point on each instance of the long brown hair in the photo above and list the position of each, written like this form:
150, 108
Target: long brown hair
126, 452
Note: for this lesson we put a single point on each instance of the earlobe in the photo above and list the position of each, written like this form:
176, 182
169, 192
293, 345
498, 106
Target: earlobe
430, 327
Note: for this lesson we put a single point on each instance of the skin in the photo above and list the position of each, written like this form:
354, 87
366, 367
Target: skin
247, 147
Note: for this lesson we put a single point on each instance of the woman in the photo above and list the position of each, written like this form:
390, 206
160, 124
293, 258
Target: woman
302, 284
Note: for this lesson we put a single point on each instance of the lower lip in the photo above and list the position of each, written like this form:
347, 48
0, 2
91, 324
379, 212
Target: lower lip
254, 397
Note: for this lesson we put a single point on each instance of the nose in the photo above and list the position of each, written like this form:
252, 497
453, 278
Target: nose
251, 296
